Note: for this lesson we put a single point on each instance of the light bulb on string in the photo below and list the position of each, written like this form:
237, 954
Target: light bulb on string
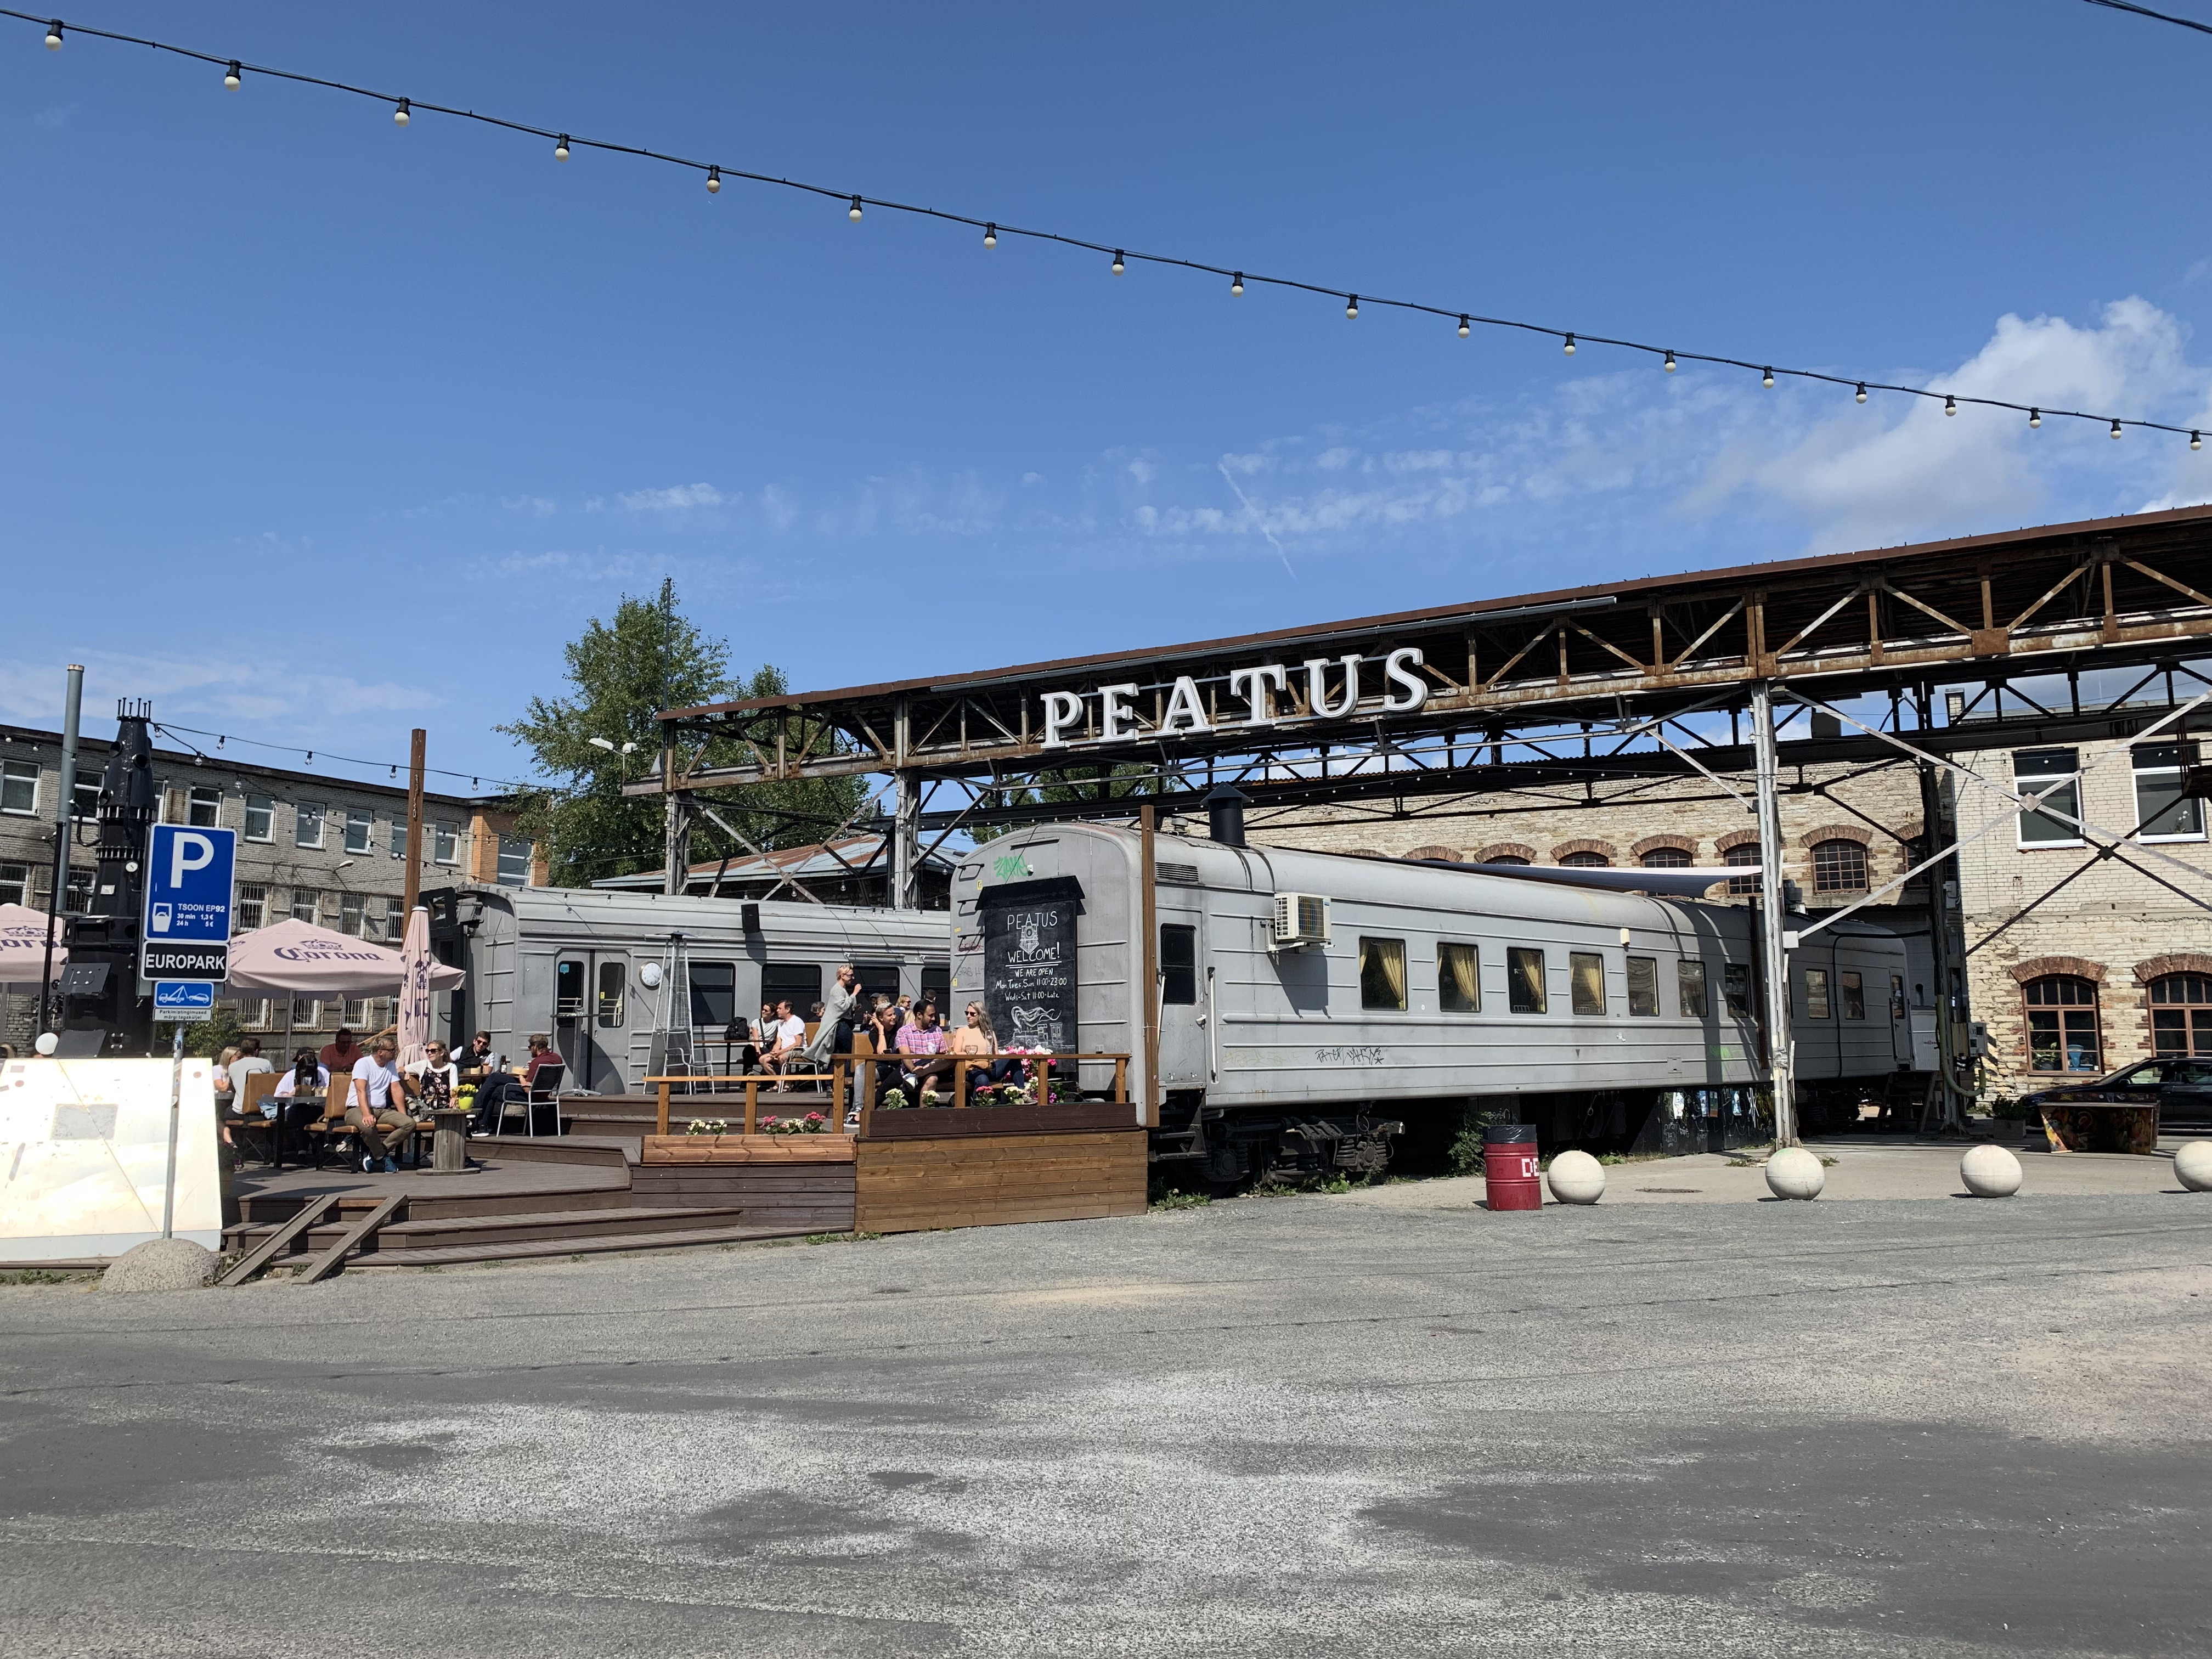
1352, 307
854, 212
399, 115
1767, 380
54, 35
2196, 440
232, 76
1117, 261
1950, 406
1568, 349
990, 236
561, 147
2116, 428
713, 181
1464, 330
2035, 418
1237, 285
1670, 362
1862, 392
395, 771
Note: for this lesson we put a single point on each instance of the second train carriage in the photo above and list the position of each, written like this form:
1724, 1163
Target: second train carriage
1311, 1003
576, 963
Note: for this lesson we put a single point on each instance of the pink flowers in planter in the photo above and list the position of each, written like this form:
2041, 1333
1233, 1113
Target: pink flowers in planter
813, 1123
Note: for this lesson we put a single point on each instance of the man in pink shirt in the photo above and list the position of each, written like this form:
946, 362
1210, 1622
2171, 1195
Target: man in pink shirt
923, 1041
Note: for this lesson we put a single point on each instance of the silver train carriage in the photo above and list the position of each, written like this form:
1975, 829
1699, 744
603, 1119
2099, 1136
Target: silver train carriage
1315, 1006
585, 964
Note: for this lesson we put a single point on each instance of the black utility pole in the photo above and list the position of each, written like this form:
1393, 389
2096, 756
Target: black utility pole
101, 1009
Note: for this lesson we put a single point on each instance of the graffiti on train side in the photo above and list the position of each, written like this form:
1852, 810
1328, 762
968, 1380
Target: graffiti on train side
1358, 1054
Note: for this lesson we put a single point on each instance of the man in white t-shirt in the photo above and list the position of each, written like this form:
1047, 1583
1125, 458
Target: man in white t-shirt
788, 1054
376, 1112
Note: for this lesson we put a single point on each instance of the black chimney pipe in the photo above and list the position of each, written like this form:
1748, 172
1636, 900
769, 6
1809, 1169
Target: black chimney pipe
1224, 814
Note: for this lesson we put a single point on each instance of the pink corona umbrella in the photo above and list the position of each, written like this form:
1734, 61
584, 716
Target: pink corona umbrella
23, 945
313, 962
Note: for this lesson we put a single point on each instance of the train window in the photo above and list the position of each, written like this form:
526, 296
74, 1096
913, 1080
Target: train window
568, 991
1381, 972
1854, 996
1459, 979
937, 981
614, 979
799, 983
1524, 978
713, 994
876, 979
1179, 965
1690, 987
1816, 993
1586, 972
1643, 987
1736, 982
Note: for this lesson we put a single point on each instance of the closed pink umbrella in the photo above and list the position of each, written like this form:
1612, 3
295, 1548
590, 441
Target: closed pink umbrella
23, 945
416, 973
307, 960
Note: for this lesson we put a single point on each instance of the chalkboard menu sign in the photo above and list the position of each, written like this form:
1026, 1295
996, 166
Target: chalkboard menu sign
1029, 961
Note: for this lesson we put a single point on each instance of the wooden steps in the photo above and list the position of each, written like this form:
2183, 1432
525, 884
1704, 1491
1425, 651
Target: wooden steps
611, 1151
597, 1244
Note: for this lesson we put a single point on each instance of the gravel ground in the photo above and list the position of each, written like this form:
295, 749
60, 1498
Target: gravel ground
1278, 1426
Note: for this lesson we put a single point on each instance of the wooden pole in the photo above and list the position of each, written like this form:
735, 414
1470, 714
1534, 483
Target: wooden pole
413, 890
1148, 975
662, 1123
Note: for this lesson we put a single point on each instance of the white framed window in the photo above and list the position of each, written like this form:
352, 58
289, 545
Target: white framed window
307, 823
253, 1014
514, 861
445, 843
252, 907
260, 818
15, 883
19, 789
359, 827
87, 806
350, 915
2034, 771
2164, 812
203, 808
400, 838
303, 904
353, 1013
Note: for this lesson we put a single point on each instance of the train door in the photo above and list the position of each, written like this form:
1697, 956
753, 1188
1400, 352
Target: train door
1186, 997
590, 1017
1900, 1024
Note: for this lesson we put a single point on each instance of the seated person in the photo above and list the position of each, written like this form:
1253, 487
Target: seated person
250, 1061
434, 1077
786, 1051
473, 1064
303, 1090
500, 1088
923, 1045
377, 1111
977, 1039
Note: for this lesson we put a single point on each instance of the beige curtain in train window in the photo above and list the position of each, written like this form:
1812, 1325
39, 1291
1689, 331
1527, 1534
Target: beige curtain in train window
1458, 978
1382, 973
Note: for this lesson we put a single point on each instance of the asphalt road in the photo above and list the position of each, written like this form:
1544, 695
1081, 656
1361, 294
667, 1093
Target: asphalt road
1289, 1426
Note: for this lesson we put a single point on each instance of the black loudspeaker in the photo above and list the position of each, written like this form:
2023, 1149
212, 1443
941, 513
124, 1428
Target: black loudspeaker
749, 918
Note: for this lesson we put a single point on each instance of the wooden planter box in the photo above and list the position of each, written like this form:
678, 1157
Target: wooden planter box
928, 1122
747, 1149
916, 1183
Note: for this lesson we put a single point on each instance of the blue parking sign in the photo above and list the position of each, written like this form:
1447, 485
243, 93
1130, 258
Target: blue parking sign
185, 930
182, 1001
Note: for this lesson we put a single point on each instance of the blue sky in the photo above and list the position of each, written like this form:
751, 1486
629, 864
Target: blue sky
320, 430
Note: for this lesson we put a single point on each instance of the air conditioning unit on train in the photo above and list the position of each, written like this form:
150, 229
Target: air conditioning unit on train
1300, 919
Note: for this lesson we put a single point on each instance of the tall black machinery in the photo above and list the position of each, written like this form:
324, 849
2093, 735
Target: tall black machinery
103, 1013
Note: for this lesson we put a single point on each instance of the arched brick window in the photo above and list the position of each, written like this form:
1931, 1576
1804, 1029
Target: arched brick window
1838, 866
2062, 1025
1502, 858
1666, 858
1744, 853
1442, 854
1586, 861
2181, 1014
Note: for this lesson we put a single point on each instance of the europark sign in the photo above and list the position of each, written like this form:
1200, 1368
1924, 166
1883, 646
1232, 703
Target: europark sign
1105, 715
183, 933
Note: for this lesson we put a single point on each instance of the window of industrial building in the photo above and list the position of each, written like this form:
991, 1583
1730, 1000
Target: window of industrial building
1508, 858
15, 884
359, 827
1459, 979
1745, 855
353, 1013
1666, 858
713, 995
1381, 972
254, 1013
1838, 866
1585, 862
19, 787
1643, 987
252, 906
260, 818
1524, 978
307, 1015
1586, 974
1179, 964
798, 982
2035, 771
2181, 1014
1854, 994
2164, 813
2062, 1023
203, 808
1816, 993
307, 824
514, 861
445, 843
1735, 985
1690, 987
86, 804
303, 904
349, 914
614, 980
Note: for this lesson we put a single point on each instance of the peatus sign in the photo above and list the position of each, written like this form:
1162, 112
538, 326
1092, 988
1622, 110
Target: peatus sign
1325, 687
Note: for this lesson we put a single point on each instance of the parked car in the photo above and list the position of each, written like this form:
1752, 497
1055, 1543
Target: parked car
2182, 1087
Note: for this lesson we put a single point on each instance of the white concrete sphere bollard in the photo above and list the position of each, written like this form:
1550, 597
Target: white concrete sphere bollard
2192, 1165
159, 1264
1989, 1172
1793, 1172
1576, 1178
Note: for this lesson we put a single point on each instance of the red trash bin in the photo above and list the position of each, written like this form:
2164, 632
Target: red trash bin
1509, 1167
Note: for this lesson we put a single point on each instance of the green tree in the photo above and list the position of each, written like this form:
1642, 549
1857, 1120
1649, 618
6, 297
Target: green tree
624, 670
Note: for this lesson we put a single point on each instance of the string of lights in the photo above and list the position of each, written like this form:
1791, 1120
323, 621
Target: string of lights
404, 110
222, 741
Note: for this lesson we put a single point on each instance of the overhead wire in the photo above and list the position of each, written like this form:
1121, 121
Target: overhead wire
716, 172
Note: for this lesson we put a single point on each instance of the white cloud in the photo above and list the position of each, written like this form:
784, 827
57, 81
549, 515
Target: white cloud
55, 118
677, 499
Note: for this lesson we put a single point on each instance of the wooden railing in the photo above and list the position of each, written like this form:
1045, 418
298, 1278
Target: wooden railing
842, 1067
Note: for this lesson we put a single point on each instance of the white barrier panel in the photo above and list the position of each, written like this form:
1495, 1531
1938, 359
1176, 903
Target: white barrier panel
84, 1152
